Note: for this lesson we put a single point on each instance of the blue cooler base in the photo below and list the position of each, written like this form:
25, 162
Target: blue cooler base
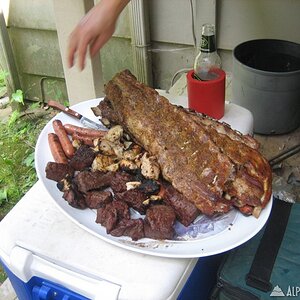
202, 279
198, 286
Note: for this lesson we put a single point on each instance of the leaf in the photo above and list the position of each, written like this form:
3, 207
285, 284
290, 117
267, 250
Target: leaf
18, 97
29, 160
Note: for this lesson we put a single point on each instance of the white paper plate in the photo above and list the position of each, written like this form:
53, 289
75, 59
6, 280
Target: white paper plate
207, 237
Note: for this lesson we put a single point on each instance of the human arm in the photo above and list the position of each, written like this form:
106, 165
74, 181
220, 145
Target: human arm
94, 30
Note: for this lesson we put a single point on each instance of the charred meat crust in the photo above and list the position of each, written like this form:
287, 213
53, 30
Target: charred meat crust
225, 129
83, 158
87, 180
159, 222
96, 199
185, 211
58, 171
253, 170
201, 159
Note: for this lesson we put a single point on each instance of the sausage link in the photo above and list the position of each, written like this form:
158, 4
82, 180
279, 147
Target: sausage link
92, 133
56, 149
83, 138
63, 138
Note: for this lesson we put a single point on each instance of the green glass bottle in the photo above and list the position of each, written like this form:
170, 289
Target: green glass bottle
208, 58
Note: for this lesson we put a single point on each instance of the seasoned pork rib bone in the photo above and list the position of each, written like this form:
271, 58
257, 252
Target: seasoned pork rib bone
188, 155
252, 185
225, 129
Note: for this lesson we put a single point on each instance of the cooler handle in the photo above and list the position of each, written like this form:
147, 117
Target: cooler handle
24, 264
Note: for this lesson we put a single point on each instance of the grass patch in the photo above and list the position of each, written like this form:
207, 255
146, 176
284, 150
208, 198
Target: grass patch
18, 138
17, 172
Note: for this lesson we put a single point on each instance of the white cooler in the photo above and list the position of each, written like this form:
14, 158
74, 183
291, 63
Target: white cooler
48, 256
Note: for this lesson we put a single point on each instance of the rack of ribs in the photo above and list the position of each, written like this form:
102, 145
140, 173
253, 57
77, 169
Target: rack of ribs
212, 165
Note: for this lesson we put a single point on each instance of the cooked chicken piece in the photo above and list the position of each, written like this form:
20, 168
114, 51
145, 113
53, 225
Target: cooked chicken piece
102, 162
126, 164
150, 167
114, 134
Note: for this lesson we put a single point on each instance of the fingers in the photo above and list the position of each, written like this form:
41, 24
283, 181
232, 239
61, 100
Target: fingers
71, 50
98, 43
81, 52
78, 45
94, 30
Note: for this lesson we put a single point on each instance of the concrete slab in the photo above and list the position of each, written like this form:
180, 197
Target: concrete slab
4, 102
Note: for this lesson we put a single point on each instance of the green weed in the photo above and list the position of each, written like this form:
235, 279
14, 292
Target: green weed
17, 97
17, 173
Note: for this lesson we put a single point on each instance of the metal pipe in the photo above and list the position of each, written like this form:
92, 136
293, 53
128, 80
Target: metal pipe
140, 41
284, 155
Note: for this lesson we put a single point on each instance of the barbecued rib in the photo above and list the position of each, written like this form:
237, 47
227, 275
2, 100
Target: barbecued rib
252, 185
194, 165
225, 129
187, 153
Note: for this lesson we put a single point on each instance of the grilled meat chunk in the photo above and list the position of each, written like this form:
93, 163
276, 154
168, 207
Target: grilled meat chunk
159, 222
108, 217
111, 214
74, 197
87, 180
83, 158
133, 228
186, 212
149, 187
203, 160
118, 183
134, 198
58, 171
97, 199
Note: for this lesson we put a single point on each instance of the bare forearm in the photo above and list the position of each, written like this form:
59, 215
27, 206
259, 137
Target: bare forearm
116, 6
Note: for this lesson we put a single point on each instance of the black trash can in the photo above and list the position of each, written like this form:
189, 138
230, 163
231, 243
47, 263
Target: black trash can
266, 80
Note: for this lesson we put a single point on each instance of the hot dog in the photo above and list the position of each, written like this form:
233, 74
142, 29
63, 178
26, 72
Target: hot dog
63, 138
83, 138
56, 149
82, 131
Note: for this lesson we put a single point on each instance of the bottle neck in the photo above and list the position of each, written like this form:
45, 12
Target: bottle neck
208, 43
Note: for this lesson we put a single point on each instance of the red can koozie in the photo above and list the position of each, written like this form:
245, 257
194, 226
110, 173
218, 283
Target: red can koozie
207, 97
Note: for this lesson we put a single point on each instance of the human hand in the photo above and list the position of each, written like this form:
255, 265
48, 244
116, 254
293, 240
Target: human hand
94, 30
